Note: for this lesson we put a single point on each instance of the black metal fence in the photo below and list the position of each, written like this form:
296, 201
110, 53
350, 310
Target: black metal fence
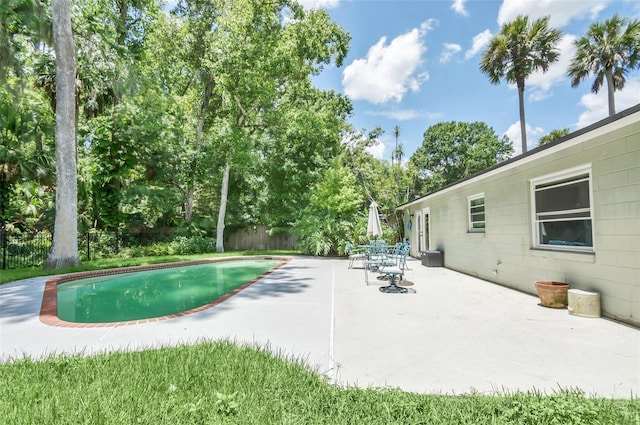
31, 250
24, 250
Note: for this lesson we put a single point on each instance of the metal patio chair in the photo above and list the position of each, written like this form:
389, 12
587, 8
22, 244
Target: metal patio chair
354, 254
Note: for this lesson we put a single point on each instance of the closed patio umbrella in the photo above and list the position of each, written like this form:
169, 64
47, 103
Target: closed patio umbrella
374, 228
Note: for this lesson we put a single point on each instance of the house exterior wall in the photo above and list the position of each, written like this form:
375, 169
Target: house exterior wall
505, 252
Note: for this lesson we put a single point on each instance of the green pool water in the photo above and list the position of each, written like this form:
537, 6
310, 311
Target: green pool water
154, 293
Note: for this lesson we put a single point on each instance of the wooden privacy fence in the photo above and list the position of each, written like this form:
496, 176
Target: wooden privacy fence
257, 237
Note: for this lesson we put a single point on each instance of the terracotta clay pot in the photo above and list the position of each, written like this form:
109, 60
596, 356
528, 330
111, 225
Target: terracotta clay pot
552, 294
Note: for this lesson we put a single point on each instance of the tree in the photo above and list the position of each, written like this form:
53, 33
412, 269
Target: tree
258, 56
366, 169
453, 150
175, 90
388, 184
553, 135
608, 51
298, 149
64, 251
396, 133
21, 22
26, 124
111, 37
377, 179
328, 220
398, 153
26, 120
520, 49
200, 27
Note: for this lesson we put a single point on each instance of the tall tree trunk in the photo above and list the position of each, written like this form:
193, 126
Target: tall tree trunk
523, 125
64, 251
121, 28
188, 202
223, 207
188, 205
396, 132
610, 91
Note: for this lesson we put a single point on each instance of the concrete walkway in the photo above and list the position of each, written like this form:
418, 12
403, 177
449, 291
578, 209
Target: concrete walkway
455, 334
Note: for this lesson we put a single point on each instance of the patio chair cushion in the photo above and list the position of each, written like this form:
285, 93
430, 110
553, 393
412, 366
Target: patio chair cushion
391, 270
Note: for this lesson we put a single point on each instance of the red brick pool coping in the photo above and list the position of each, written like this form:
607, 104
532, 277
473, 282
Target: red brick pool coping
49, 308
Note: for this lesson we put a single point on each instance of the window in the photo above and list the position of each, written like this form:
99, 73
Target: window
476, 213
562, 211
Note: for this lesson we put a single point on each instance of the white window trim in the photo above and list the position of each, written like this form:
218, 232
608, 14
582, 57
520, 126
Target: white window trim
470, 227
549, 178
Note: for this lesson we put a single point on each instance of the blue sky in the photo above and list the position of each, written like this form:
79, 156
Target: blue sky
415, 63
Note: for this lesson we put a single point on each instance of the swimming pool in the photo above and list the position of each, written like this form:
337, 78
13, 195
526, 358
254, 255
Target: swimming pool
155, 292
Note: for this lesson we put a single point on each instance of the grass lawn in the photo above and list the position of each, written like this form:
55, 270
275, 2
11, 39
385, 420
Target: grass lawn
222, 383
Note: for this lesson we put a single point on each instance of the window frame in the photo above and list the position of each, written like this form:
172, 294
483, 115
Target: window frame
565, 177
470, 221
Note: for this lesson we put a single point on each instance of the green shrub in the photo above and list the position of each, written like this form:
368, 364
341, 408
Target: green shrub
181, 245
158, 249
328, 220
132, 252
103, 245
192, 245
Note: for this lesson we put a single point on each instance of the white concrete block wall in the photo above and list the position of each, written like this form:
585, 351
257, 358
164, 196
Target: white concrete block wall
504, 253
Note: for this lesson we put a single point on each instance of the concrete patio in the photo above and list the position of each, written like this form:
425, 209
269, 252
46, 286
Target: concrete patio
456, 334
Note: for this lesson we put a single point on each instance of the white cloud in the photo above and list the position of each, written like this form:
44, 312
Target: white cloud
376, 150
533, 135
596, 108
597, 105
560, 12
351, 139
405, 114
319, 4
539, 84
458, 7
388, 71
449, 50
400, 114
479, 42
428, 25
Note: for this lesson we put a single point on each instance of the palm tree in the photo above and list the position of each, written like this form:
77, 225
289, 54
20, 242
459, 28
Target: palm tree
516, 52
398, 153
608, 50
396, 132
553, 135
